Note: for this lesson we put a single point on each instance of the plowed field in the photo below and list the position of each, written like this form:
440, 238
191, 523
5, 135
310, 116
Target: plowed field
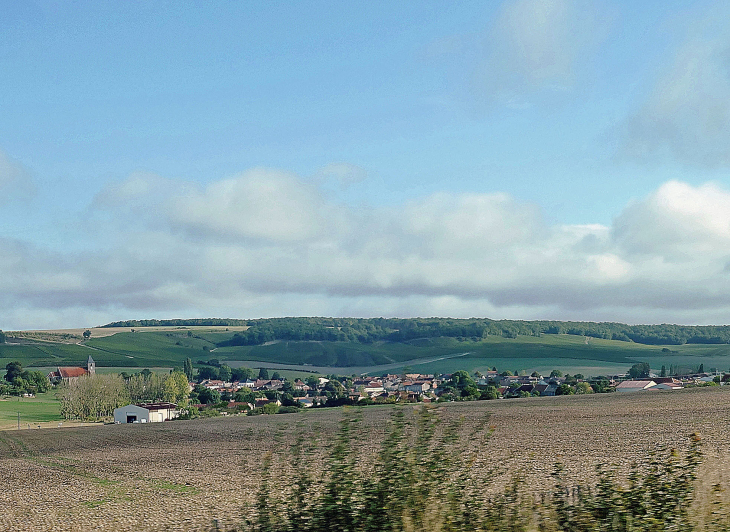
183, 475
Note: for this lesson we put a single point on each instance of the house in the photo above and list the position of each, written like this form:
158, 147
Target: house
68, 374
146, 413
261, 402
417, 387
305, 402
374, 388
635, 386
668, 386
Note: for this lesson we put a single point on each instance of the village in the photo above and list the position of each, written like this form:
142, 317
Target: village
192, 393
279, 395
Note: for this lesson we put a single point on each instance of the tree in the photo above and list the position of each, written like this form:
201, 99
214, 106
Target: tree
271, 395
701, 368
224, 373
639, 371
664, 371
312, 382
556, 373
188, 368
87, 334
470, 392
2, 337
244, 395
276, 376
12, 370
461, 380
565, 389
207, 372
93, 396
490, 392
207, 396
264, 374
37, 381
334, 389
583, 388
242, 374
175, 389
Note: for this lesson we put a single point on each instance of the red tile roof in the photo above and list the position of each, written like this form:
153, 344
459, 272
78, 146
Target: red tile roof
67, 373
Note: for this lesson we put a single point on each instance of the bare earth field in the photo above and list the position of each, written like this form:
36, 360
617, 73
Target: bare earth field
182, 475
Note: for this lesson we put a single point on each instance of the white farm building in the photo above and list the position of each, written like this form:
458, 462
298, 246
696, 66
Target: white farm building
146, 413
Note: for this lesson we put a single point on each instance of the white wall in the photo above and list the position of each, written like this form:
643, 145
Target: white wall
121, 414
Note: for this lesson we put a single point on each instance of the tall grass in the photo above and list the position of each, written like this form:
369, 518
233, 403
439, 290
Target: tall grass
424, 479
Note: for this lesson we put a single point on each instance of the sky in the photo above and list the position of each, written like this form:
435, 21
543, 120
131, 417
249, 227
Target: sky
528, 159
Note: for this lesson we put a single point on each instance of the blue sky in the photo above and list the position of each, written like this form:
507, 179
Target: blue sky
531, 159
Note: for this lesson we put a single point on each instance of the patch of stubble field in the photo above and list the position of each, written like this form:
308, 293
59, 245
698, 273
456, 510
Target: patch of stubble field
183, 475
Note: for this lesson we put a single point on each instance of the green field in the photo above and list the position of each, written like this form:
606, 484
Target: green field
167, 349
40, 409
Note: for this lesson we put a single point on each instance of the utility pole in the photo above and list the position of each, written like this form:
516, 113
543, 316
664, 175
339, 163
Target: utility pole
18, 420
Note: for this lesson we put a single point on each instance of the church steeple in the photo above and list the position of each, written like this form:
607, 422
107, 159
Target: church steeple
91, 366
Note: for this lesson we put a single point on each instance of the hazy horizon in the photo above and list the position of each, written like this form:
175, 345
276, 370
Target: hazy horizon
529, 159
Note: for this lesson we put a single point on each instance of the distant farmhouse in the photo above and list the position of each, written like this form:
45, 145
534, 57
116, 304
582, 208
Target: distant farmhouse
68, 374
635, 386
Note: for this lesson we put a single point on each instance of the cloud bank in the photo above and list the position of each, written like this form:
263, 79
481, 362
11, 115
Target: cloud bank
267, 243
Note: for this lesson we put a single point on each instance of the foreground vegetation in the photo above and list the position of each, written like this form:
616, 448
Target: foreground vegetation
422, 479
183, 475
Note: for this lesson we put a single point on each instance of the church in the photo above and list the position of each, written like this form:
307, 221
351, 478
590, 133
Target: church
67, 374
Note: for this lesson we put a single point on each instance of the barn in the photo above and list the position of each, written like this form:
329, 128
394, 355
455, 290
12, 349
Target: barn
146, 413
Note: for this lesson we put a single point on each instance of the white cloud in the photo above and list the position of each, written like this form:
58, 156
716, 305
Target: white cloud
677, 222
259, 204
267, 243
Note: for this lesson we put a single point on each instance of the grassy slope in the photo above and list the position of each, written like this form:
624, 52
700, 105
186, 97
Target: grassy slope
171, 348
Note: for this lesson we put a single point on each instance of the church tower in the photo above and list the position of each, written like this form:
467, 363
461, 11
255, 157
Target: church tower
91, 366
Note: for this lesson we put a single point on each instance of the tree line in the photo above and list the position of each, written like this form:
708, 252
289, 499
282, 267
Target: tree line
369, 330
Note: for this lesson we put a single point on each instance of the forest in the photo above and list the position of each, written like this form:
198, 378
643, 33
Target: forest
369, 330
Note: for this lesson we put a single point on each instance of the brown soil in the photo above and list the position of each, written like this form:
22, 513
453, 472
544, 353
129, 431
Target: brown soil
182, 475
